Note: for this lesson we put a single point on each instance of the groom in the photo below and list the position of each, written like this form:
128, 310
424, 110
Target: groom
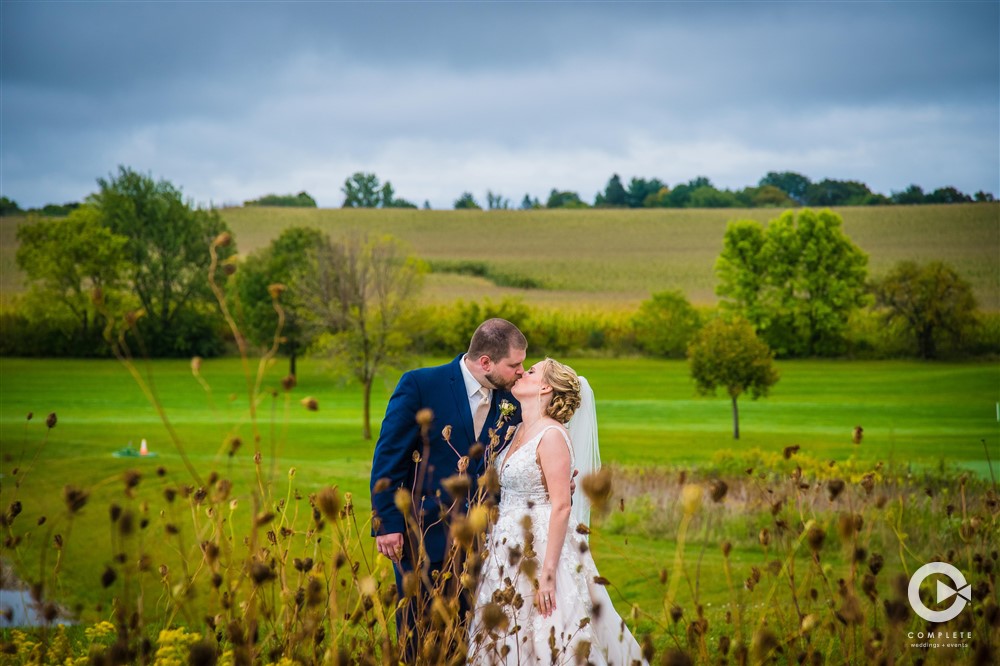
465, 394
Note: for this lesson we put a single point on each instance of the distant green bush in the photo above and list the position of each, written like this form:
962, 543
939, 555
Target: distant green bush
300, 200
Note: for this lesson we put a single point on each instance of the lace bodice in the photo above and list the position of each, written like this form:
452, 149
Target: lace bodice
521, 476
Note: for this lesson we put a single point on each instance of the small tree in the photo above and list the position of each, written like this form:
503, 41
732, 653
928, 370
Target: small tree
933, 300
361, 292
276, 264
665, 324
362, 190
496, 201
467, 201
729, 354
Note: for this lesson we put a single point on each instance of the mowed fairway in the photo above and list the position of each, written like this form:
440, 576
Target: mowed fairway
913, 414
608, 258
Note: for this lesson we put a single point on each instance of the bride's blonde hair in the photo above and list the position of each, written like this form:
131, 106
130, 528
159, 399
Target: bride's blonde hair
565, 390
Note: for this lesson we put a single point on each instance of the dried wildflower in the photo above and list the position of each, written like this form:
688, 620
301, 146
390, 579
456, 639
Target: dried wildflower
691, 496
131, 477
260, 573
126, 523
857, 434
868, 586
276, 290
764, 537
310, 403
446, 433
676, 613
676, 657
289, 382
108, 577
222, 240
833, 488
727, 548
809, 623
897, 610
75, 498
457, 485
848, 524
31, 415
264, 518
850, 611
490, 480
763, 644
328, 501
403, 500
717, 490
50, 420
210, 550
815, 536
790, 451
425, 417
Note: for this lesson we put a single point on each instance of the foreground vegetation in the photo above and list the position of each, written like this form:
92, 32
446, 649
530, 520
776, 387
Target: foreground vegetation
788, 546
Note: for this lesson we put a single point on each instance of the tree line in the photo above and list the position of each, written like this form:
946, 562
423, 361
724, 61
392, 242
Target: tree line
777, 189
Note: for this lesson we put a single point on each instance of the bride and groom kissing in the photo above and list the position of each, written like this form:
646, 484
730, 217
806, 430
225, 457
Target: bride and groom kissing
525, 590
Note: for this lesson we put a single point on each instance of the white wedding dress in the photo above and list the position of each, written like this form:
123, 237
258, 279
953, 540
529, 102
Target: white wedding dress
584, 619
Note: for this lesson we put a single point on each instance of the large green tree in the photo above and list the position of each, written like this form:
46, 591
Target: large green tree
276, 264
168, 259
361, 291
66, 261
934, 302
729, 355
797, 281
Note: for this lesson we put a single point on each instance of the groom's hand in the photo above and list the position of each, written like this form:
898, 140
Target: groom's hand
390, 545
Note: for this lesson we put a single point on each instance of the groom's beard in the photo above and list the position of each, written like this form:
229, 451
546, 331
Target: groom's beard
499, 382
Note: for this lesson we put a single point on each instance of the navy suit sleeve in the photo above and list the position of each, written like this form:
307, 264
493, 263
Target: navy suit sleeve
393, 453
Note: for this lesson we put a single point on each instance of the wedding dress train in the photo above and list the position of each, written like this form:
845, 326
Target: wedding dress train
507, 627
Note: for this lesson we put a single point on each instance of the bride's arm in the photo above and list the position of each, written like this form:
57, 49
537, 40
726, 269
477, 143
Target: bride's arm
553, 457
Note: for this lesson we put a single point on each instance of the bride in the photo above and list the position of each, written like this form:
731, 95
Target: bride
537, 600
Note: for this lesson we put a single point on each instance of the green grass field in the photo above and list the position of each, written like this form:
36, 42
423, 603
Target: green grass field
913, 414
613, 258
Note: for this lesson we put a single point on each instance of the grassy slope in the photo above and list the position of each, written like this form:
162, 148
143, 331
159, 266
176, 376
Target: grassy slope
616, 258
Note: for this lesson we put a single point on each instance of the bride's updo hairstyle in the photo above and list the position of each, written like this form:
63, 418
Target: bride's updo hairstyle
565, 390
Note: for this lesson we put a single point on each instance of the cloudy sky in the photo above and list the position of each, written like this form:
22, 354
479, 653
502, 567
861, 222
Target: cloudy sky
233, 100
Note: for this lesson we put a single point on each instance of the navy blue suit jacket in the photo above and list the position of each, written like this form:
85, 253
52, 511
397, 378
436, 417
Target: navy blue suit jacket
442, 390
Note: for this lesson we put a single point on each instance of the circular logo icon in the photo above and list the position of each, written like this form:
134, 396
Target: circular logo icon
961, 591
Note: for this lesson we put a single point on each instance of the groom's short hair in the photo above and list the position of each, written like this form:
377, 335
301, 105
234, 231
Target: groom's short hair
495, 338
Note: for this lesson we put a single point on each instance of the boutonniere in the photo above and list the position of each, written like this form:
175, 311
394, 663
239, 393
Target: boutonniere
507, 408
